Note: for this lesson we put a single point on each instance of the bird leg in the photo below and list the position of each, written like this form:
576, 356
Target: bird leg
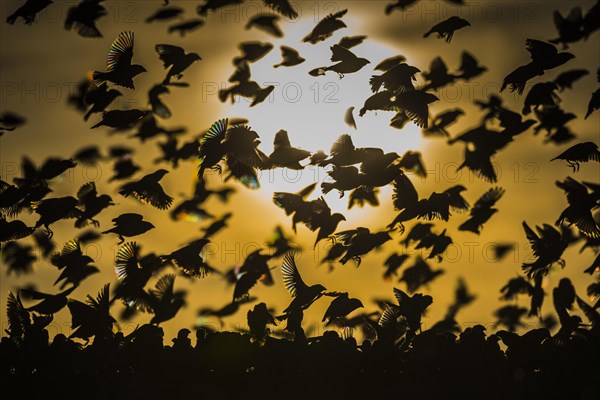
50, 233
341, 192
358, 260
340, 75
121, 239
95, 223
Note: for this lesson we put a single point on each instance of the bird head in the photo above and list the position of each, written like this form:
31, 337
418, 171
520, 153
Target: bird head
137, 69
160, 173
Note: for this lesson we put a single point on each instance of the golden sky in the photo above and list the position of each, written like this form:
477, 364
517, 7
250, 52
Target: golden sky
41, 64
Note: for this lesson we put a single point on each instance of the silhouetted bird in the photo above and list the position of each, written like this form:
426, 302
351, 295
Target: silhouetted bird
284, 155
82, 18
548, 247
123, 169
91, 204
164, 301
165, 14
185, 27
360, 242
566, 79
363, 195
290, 57
412, 307
419, 274
253, 270
28, 11
446, 28
540, 94
416, 106
88, 155
390, 62
349, 42
302, 294
54, 209
413, 162
349, 118
482, 210
579, 210
469, 67
190, 260
266, 23
258, 319
514, 287
500, 250
148, 190
214, 5
340, 307
401, 4
581, 152
348, 62
438, 75
119, 69
595, 267
175, 59
283, 7
251, 52
392, 264
594, 103
440, 122
570, 29
325, 27
13, 230
510, 316
92, 318
99, 97
590, 20
17, 258
128, 225
217, 225
120, 118
73, 264
50, 303
396, 79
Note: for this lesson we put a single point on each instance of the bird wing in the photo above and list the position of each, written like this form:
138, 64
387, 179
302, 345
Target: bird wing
164, 287
291, 277
121, 51
339, 53
281, 139
540, 50
169, 54
283, 7
126, 260
467, 62
87, 190
489, 198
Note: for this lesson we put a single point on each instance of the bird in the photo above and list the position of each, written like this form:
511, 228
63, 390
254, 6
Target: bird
164, 301
189, 258
390, 62
175, 60
120, 118
395, 79
347, 62
581, 205
566, 79
187, 26
18, 258
82, 18
217, 225
594, 103
419, 274
360, 242
28, 11
283, 7
119, 69
92, 317
266, 23
578, 153
401, 4
416, 106
441, 121
349, 118
446, 28
302, 294
258, 318
469, 67
148, 190
252, 51
482, 210
54, 209
290, 57
50, 303
14, 230
325, 27
570, 29
254, 269
393, 263
547, 245
91, 204
73, 264
99, 97
214, 5
284, 155
340, 307
128, 225
438, 75
349, 42
165, 14
540, 94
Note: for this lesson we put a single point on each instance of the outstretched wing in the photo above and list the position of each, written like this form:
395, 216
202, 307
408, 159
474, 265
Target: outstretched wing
121, 51
291, 277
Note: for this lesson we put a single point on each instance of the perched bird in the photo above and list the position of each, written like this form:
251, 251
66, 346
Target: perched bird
119, 69
290, 57
128, 225
446, 28
580, 152
28, 11
347, 62
266, 23
187, 26
340, 307
325, 27
82, 18
148, 190
482, 210
302, 294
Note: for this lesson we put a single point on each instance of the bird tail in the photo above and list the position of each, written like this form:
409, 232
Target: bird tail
320, 71
376, 81
12, 18
427, 34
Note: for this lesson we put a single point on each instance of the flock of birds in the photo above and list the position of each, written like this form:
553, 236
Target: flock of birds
231, 147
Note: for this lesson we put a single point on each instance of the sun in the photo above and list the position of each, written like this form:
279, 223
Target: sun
312, 109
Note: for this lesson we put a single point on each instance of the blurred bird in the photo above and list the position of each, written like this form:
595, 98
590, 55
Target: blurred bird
283, 7
251, 52
570, 29
581, 205
190, 260
99, 97
290, 57
397, 78
258, 319
214, 5
419, 274
92, 318
120, 119
393, 263
390, 62
514, 287
446, 28
266, 23
340, 307
469, 67
284, 155
216, 226
440, 122
164, 301
50, 303
254, 269
363, 195
482, 210
18, 258
581, 152
510, 316
401, 4
82, 18
566, 79
148, 190
73, 264
175, 60
325, 27
165, 14
541, 94
438, 75
13, 230
119, 69
349, 118
128, 225
28, 11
